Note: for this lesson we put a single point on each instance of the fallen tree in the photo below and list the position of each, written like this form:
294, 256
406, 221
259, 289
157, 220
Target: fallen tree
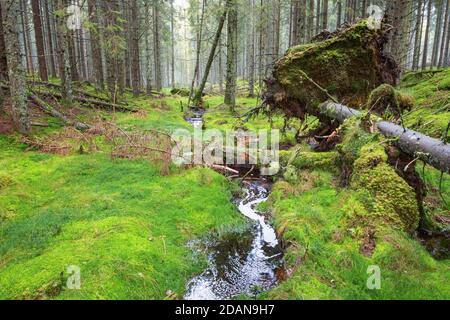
83, 100
55, 113
345, 69
433, 151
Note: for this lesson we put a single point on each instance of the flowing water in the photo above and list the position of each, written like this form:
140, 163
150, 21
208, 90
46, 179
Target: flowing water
241, 263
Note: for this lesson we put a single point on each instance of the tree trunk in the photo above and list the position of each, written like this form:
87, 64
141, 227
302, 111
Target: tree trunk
16, 72
418, 35
197, 54
199, 93
63, 52
51, 50
445, 39
148, 61
26, 36
311, 20
339, 14
325, 15
430, 150
95, 44
230, 88
36, 7
427, 35
3, 61
135, 59
172, 46
157, 45
318, 14
251, 71
437, 33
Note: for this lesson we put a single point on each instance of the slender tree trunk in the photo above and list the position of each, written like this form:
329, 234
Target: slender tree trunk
220, 62
427, 35
172, 45
311, 19
230, 89
51, 49
16, 72
199, 93
148, 53
3, 60
198, 51
157, 45
39, 38
26, 36
63, 52
318, 14
276, 25
437, 33
445, 30
251, 78
325, 15
418, 35
135, 59
95, 44
339, 15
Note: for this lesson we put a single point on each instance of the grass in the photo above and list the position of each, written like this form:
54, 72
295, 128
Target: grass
123, 223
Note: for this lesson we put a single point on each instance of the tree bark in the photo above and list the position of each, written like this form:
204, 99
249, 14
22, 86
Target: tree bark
3, 61
418, 35
199, 93
427, 35
63, 52
172, 46
135, 59
95, 44
445, 38
157, 45
51, 50
230, 88
16, 72
325, 15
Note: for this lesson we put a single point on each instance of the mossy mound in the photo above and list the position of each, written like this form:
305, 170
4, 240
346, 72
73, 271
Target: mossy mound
388, 102
348, 66
392, 201
431, 92
184, 92
309, 160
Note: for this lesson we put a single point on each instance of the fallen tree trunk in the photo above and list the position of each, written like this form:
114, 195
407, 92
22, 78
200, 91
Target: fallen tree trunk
90, 102
77, 91
55, 113
100, 104
433, 151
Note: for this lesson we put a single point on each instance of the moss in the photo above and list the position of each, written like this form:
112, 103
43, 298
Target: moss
394, 201
324, 254
430, 91
6, 181
311, 160
386, 101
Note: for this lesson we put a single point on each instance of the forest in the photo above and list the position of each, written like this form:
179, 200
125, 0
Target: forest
224, 150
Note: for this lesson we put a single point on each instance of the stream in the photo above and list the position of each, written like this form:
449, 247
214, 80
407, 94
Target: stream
241, 263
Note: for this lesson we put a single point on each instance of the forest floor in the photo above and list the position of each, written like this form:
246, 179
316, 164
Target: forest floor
127, 222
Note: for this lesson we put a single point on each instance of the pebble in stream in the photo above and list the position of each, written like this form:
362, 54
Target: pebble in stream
242, 263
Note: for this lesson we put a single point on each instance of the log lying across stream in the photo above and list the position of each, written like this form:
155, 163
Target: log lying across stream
433, 151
